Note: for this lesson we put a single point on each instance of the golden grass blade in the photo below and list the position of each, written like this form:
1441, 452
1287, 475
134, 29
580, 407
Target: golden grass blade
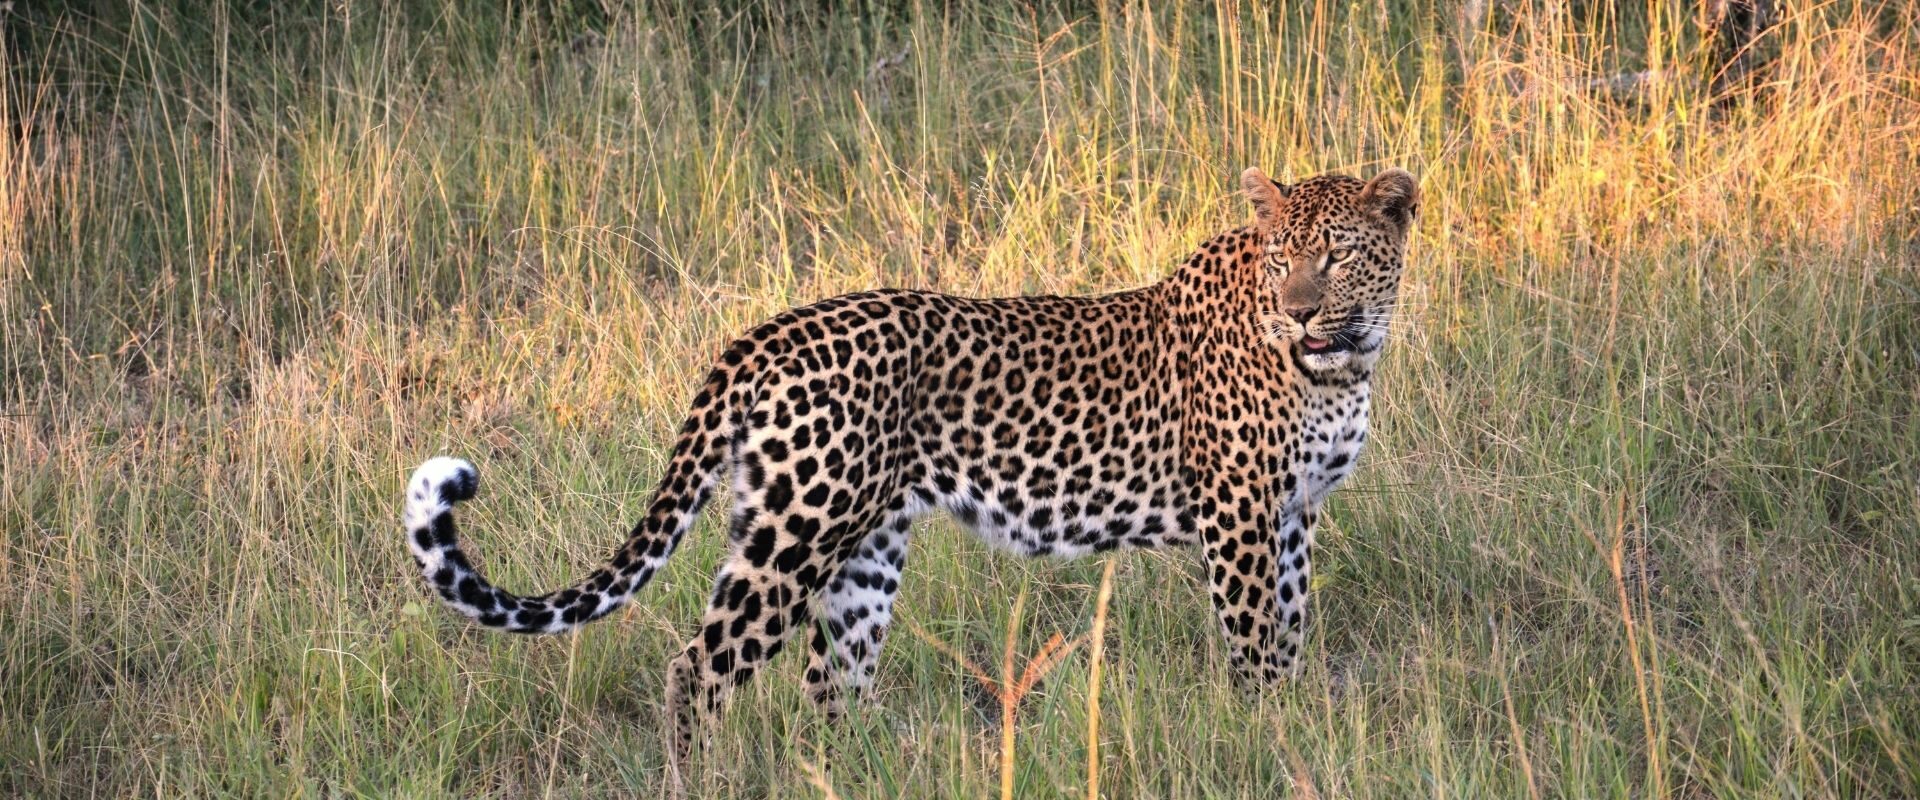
817, 779
1093, 678
1009, 701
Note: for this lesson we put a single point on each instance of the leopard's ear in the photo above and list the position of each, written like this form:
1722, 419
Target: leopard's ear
1267, 195
1394, 195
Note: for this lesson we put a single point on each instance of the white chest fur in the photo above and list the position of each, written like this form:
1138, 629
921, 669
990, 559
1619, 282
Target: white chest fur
1333, 430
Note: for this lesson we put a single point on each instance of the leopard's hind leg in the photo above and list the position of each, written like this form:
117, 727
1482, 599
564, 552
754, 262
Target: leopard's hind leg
784, 551
759, 600
851, 620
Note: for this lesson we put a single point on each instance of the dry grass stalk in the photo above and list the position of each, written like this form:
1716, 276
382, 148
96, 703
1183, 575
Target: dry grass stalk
817, 779
1615, 554
1009, 690
1093, 679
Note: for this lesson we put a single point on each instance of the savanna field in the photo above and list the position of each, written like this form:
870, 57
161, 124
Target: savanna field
1640, 516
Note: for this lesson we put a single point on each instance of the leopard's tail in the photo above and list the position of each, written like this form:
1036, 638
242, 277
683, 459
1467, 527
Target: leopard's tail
688, 481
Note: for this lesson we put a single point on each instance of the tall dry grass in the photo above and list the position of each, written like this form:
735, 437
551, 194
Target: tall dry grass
1638, 519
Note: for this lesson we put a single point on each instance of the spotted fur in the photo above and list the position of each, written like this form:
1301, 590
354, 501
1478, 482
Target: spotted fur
1217, 408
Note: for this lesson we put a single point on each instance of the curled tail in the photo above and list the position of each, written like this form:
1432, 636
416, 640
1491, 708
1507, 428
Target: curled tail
441, 482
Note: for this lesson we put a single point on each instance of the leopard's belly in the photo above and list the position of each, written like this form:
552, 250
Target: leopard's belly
1079, 513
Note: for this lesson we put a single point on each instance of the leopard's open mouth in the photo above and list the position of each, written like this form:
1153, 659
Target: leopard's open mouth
1339, 341
1362, 328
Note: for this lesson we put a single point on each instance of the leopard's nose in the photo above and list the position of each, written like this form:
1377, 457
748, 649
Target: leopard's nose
1301, 314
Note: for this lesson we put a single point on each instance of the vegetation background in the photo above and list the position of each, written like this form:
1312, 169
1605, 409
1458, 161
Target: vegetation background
1639, 519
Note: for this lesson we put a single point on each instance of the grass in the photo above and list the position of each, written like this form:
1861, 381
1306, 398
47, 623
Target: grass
1639, 519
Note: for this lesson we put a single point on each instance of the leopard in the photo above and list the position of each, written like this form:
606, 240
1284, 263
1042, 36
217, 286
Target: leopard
1216, 408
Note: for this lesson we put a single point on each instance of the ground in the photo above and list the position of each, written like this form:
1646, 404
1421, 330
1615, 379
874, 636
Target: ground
1637, 519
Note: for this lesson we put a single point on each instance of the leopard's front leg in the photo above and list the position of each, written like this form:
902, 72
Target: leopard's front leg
1259, 577
1240, 563
1293, 548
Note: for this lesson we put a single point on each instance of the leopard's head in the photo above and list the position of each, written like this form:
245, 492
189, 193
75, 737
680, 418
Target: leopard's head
1334, 248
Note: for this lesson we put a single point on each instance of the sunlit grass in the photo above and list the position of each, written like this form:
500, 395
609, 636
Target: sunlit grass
1638, 518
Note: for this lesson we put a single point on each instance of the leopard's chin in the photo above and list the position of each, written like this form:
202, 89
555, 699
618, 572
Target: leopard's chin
1328, 360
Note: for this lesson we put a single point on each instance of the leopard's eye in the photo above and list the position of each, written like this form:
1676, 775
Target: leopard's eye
1339, 255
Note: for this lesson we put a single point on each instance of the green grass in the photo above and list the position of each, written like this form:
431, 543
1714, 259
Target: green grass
1639, 519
